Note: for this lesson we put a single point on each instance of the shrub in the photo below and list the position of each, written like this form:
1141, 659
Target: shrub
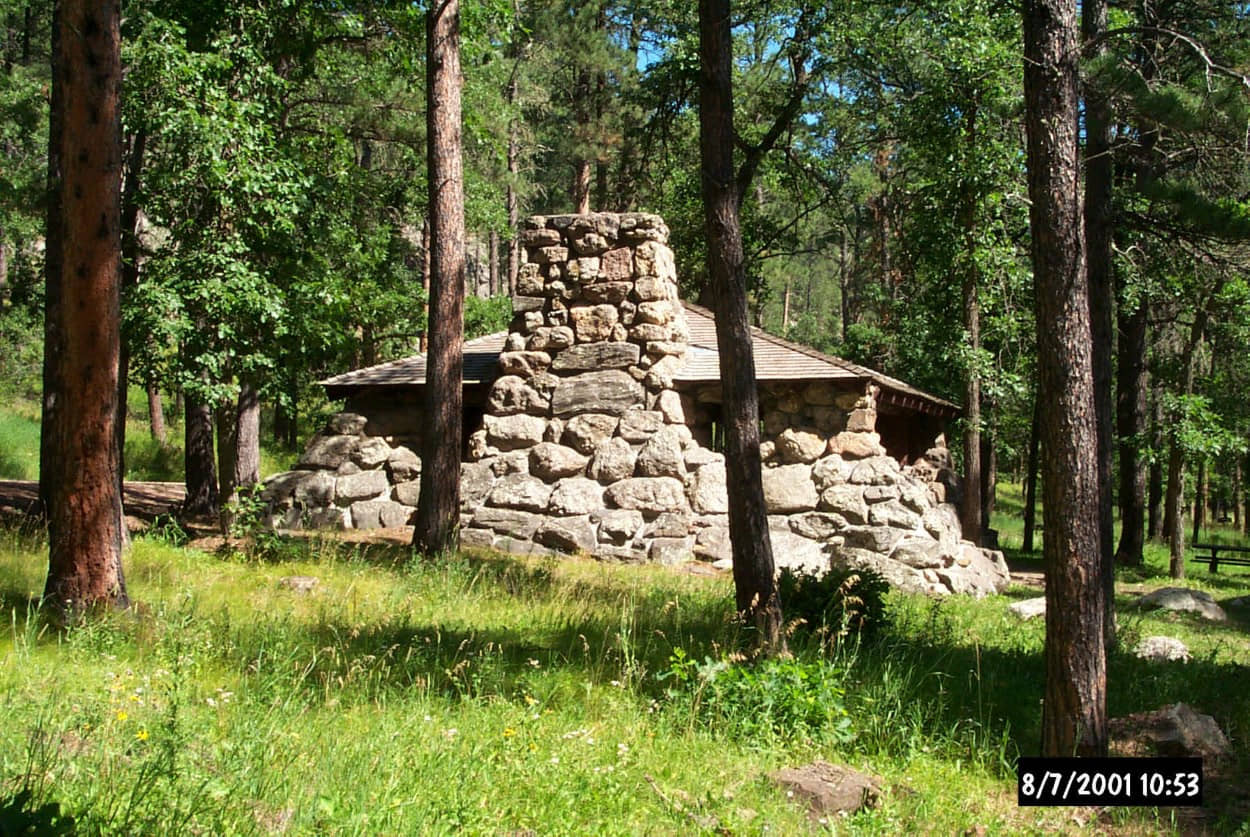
839, 603
781, 698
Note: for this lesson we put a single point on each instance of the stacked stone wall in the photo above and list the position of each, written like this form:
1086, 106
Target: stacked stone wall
587, 446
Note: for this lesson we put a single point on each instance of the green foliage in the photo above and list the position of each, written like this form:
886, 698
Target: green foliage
486, 316
766, 699
841, 603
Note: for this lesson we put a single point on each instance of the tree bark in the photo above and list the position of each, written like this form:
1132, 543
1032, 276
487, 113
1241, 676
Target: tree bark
1131, 428
156, 414
1100, 275
247, 436
989, 474
1200, 498
53, 260
1175, 510
1154, 474
1030, 478
493, 265
1074, 715
972, 488
438, 512
82, 483
201, 471
756, 593
226, 416
1237, 493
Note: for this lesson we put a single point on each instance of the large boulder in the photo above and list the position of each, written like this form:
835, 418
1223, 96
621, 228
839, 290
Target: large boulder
610, 392
800, 445
520, 491
513, 432
613, 460
574, 496
550, 461
789, 489
648, 494
661, 456
640, 425
362, 486
709, 493
590, 357
379, 514
328, 452
585, 432
567, 534
511, 394
1184, 600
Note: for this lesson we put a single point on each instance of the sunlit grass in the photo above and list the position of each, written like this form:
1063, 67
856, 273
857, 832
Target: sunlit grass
487, 694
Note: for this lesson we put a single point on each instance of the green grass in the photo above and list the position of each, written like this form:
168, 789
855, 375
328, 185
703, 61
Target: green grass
146, 458
486, 694
19, 440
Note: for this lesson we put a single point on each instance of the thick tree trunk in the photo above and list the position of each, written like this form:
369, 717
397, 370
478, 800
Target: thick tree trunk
1099, 267
1131, 428
426, 267
1030, 476
756, 592
156, 414
247, 437
226, 416
438, 512
1074, 716
201, 471
83, 482
53, 260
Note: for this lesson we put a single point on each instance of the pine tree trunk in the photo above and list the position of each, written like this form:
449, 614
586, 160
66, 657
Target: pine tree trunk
989, 475
226, 416
1131, 429
53, 261
1237, 493
1100, 275
1174, 511
1201, 497
247, 437
438, 512
1030, 478
758, 600
1074, 716
82, 481
201, 471
1154, 473
156, 414
493, 257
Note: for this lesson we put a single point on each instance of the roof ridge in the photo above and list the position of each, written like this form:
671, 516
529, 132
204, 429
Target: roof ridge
816, 354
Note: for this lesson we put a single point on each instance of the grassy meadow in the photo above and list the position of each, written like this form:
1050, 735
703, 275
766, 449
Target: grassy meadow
146, 458
497, 695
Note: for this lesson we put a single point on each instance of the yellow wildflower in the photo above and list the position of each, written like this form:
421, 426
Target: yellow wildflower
142, 735
122, 714
509, 732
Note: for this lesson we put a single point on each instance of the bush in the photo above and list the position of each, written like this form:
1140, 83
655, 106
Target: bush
837, 604
781, 698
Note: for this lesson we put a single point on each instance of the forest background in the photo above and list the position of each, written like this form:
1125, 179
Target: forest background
274, 203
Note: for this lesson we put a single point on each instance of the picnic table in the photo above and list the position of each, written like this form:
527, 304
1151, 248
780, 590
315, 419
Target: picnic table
1235, 555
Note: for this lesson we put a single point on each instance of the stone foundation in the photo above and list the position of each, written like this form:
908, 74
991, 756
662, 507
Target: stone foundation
587, 446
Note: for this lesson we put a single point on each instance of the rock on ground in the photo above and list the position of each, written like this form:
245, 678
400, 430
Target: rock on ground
1184, 600
828, 789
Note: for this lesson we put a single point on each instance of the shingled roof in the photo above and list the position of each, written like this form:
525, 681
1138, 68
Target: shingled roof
776, 359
